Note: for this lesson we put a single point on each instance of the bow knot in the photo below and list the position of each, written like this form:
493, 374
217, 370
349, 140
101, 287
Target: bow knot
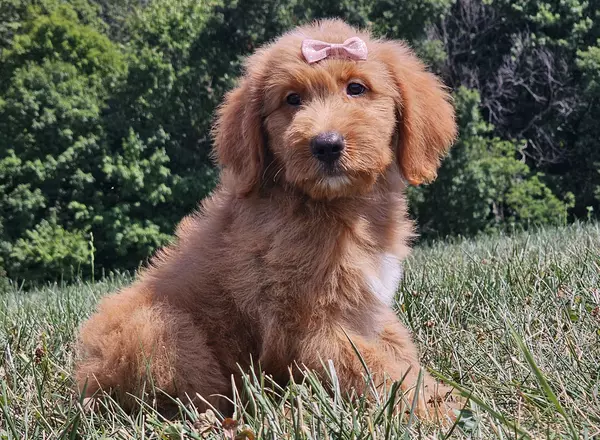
315, 50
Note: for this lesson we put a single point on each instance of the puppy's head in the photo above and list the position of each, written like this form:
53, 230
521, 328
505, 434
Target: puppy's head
331, 128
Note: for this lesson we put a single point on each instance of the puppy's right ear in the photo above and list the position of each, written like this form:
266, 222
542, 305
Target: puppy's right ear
238, 135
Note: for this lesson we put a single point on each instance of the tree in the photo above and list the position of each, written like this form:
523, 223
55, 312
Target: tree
106, 108
59, 177
482, 186
532, 63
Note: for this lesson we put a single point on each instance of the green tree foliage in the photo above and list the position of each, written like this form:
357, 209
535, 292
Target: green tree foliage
534, 65
169, 93
15, 14
49, 247
58, 71
106, 106
483, 185
56, 160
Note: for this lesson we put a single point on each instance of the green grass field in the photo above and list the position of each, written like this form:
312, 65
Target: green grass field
514, 320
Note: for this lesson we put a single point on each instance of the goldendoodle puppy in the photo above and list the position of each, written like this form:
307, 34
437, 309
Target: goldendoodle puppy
299, 249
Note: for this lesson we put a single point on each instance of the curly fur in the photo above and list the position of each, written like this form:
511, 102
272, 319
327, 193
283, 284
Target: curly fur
278, 264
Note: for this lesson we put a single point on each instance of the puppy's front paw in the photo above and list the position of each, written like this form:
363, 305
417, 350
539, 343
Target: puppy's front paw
443, 404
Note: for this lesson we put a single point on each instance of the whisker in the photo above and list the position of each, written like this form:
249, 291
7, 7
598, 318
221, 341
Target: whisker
278, 172
267, 169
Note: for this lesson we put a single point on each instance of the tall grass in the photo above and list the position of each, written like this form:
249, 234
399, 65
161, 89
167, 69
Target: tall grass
513, 321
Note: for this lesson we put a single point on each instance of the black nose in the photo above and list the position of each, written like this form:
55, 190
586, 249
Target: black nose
327, 147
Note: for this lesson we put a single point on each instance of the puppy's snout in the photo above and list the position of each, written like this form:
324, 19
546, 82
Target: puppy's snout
327, 146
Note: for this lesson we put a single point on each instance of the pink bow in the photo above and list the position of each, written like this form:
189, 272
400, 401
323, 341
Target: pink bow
315, 50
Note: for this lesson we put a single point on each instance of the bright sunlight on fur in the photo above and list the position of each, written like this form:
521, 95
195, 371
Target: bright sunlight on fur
298, 251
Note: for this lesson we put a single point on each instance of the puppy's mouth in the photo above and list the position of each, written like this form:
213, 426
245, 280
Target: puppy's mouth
324, 178
333, 172
334, 169
331, 182
334, 182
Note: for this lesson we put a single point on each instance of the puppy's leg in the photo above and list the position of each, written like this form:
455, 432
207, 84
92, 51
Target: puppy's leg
131, 347
434, 399
390, 356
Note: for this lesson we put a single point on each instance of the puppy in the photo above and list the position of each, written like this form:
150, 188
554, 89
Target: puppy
298, 250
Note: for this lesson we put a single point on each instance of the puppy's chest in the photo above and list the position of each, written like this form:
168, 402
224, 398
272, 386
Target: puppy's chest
383, 276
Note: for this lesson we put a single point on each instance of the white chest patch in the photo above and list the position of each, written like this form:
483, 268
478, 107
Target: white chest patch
384, 282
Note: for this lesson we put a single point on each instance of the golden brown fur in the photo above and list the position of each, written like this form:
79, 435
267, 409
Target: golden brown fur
274, 264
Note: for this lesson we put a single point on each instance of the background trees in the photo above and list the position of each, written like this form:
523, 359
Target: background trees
105, 108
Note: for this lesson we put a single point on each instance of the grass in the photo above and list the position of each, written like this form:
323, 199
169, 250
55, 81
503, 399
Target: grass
515, 321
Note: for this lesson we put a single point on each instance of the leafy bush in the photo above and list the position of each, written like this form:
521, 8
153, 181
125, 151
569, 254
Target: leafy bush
482, 185
48, 251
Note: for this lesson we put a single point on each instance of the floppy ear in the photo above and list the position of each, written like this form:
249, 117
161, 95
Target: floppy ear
427, 124
239, 144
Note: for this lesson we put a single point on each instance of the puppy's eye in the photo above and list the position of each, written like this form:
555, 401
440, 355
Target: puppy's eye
355, 89
293, 99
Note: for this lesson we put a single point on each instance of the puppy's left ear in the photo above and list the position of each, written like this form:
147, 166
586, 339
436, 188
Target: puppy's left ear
239, 144
427, 123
